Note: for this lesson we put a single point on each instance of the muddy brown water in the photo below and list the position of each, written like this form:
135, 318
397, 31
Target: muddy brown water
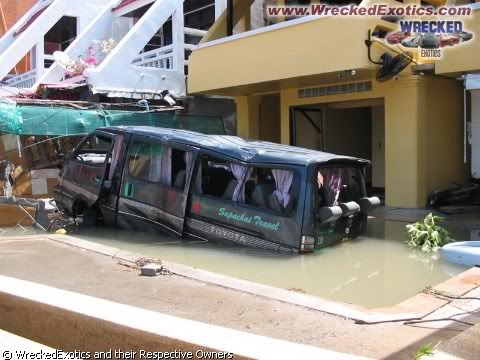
375, 270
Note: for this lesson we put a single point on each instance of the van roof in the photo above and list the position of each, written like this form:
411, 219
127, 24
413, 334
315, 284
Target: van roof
249, 151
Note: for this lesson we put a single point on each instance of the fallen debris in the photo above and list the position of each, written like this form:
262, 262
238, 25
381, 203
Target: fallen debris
146, 261
42, 206
458, 199
151, 270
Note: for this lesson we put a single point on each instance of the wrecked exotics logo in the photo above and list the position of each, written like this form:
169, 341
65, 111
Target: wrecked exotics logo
442, 29
429, 36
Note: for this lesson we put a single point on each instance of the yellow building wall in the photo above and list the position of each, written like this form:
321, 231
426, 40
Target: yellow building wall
444, 134
255, 60
269, 119
423, 133
248, 112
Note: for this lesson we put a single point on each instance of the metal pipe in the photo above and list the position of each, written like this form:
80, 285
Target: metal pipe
229, 17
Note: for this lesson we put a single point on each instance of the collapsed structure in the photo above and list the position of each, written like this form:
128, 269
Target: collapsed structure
94, 63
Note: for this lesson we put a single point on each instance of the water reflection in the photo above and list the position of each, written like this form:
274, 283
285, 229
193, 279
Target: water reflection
375, 270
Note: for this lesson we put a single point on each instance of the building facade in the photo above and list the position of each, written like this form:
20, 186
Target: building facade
147, 41
11, 11
308, 81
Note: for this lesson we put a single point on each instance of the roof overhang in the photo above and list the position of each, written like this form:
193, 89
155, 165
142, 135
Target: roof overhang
275, 57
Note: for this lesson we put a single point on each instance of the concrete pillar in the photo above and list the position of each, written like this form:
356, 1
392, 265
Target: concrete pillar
405, 145
284, 118
248, 116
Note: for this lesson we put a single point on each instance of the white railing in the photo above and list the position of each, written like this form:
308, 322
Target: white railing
25, 80
194, 32
161, 58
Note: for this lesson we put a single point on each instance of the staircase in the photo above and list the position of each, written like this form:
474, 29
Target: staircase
29, 32
143, 74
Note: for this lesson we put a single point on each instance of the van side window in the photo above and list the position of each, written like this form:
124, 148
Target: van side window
158, 163
215, 178
271, 189
94, 150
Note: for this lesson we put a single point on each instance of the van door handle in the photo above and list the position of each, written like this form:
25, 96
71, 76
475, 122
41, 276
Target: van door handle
128, 189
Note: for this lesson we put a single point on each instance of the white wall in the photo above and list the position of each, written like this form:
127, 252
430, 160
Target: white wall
475, 133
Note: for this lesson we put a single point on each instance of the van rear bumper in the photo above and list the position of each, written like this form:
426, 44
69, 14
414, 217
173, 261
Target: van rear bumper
345, 228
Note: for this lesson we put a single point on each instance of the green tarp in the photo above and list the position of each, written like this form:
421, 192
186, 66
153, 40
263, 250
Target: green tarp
56, 121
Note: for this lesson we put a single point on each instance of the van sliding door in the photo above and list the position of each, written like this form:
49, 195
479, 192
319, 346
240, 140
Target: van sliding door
153, 195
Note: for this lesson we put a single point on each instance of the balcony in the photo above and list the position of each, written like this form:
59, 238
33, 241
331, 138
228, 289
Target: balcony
294, 53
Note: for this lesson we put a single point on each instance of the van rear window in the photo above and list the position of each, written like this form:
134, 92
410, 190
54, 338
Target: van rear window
339, 185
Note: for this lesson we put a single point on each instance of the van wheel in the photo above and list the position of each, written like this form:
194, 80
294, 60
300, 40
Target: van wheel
86, 216
90, 217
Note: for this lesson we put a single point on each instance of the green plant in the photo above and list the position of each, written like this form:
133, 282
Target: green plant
427, 235
426, 350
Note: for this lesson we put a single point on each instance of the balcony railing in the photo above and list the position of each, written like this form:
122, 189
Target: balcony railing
161, 58
192, 38
25, 80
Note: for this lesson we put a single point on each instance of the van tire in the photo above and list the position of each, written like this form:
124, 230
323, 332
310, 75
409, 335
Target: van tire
90, 217
86, 216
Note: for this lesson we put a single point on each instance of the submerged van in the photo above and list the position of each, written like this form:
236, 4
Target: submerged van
215, 188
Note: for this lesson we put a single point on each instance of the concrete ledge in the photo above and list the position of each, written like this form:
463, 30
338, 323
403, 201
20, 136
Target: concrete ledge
413, 308
13, 343
74, 322
464, 346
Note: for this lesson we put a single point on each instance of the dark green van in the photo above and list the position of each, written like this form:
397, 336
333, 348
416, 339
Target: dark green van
215, 188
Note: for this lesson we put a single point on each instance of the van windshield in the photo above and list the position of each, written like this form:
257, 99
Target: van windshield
339, 184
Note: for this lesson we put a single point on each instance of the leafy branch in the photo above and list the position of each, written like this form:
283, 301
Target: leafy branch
426, 235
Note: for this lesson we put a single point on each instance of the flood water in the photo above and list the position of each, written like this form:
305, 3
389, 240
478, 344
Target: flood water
375, 270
